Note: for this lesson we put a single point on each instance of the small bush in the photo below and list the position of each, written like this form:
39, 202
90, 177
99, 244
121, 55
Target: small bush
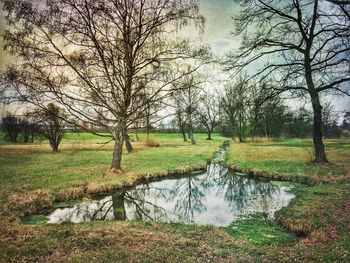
151, 143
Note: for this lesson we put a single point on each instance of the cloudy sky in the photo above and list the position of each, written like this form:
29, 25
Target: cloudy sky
217, 34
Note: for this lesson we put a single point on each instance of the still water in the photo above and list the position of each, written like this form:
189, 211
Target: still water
217, 196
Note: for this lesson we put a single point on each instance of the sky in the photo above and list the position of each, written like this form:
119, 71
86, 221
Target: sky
219, 26
217, 34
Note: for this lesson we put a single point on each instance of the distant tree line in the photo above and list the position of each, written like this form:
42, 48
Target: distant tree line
41, 124
242, 111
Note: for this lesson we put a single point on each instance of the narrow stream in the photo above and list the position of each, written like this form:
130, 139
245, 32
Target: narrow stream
216, 196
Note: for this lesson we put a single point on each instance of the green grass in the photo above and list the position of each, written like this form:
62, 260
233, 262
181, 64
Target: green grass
311, 210
260, 231
35, 220
319, 215
291, 159
68, 203
28, 169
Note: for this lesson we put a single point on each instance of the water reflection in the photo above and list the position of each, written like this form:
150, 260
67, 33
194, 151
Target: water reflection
93, 211
216, 197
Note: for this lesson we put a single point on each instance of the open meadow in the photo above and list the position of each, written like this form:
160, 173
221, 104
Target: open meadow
314, 227
174, 131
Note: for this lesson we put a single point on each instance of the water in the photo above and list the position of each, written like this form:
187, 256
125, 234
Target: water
216, 196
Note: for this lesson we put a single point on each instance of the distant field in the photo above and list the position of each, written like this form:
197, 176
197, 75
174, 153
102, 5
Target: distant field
88, 141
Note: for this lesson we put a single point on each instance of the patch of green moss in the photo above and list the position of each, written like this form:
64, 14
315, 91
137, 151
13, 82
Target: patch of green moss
35, 220
260, 231
68, 203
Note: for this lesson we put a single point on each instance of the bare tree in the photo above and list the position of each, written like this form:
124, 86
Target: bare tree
234, 103
151, 115
299, 122
180, 117
228, 109
51, 124
11, 127
93, 56
187, 100
306, 45
266, 114
344, 5
209, 112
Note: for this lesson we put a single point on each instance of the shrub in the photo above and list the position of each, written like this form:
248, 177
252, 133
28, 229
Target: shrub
151, 143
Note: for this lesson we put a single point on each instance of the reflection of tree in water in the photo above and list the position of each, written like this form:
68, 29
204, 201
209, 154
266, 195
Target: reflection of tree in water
96, 211
188, 198
185, 191
236, 190
214, 171
143, 209
118, 205
102, 212
182, 199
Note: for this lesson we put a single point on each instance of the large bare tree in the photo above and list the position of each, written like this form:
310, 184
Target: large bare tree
94, 57
303, 46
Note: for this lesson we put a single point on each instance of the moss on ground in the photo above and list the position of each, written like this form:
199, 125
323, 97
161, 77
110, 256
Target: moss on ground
259, 230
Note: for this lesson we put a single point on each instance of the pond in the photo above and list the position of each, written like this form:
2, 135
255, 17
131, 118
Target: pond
216, 196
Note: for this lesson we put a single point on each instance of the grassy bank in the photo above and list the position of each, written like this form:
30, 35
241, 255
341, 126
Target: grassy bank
81, 167
315, 226
291, 160
320, 213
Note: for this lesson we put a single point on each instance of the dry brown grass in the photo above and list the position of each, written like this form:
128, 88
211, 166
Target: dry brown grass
151, 143
26, 203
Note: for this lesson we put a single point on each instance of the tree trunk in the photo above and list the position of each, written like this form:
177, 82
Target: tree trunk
137, 136
240, 127
117, 153
265, 129
26, 137
147, 126
54, 148
118, 206
209, 131
209, 136
193, 141
128, 144
183, 135
320, 154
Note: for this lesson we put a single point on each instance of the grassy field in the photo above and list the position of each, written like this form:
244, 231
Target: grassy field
291, 160
315, 226
82, 165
